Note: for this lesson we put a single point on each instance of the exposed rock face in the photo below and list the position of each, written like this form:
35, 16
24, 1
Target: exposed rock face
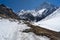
6, 12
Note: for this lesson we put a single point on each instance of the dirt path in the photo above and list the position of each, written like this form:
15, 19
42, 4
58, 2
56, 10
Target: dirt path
42, 31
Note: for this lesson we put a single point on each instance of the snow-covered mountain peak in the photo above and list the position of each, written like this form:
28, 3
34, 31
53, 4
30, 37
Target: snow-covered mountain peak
46, 5
41, 11
53, 15
30, 14
51, 22
22, 12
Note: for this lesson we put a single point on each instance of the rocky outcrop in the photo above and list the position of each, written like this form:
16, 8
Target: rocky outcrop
6, 12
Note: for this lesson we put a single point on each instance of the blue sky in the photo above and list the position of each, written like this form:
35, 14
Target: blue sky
17, 5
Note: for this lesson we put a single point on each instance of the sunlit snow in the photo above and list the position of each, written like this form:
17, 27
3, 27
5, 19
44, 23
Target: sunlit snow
41, 11
13, 31
51, 22
33, 12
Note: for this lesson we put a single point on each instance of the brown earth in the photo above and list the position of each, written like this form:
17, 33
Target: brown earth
6, 12
42, 31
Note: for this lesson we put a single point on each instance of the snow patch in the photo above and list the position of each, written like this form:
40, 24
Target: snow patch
13, 31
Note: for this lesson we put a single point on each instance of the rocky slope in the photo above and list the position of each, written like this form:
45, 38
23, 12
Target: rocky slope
6, 12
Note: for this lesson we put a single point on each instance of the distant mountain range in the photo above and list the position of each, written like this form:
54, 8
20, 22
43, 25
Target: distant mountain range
39, 13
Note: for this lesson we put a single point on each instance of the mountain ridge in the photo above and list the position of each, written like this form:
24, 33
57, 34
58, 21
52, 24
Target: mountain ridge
48, 9
6, 12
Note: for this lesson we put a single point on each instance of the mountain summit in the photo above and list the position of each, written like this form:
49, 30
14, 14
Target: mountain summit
46, 5
39, 13
49, 9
